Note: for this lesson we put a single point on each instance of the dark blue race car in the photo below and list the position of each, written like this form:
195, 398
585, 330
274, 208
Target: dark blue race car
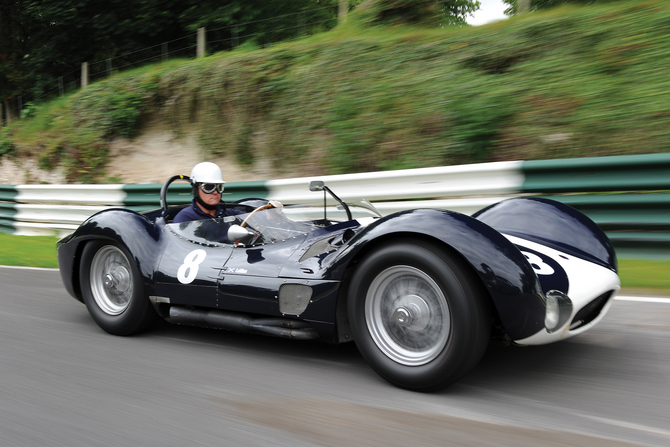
420, 292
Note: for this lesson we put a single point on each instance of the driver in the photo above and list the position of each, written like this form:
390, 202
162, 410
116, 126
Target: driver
207, 185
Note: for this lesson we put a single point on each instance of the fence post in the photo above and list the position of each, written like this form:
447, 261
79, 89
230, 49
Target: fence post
342, 13
164, 51
109, 67
301, 23
84, 74
200, 52
60, 86
8, 113
523, 6
233, 31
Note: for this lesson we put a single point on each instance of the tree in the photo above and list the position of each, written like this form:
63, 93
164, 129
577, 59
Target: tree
515, 6
428, 12
43, 40
14, 44
456, 12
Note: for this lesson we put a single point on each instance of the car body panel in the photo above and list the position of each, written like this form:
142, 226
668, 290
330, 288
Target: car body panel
508, 277
194, 265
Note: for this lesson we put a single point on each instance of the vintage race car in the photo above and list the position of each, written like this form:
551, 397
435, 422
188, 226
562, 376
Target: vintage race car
420, 292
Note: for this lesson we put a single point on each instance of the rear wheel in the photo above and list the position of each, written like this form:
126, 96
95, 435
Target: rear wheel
419, 316
113, 290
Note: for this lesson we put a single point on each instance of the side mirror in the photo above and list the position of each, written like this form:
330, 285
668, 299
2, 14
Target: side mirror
316, 185
237, 233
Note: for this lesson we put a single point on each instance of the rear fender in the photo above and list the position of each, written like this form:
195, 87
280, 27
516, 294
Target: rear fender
124, 227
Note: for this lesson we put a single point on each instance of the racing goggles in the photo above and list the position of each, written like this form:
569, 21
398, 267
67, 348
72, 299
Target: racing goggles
209, 188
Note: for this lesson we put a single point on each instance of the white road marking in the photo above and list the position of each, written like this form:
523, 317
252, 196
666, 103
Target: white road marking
20, 267
644, 299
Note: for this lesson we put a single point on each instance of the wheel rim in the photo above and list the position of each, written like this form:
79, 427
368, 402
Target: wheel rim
407, 315
111, 280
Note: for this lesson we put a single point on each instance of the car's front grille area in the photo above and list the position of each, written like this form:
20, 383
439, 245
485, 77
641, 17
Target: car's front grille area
591, 311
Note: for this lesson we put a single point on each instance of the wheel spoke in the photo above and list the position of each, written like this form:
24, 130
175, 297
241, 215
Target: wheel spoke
111, 280
407, 315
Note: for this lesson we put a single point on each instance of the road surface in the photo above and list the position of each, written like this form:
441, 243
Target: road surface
65, 382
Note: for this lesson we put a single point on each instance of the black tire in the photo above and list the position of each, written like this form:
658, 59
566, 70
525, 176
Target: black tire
419, 316
113, 289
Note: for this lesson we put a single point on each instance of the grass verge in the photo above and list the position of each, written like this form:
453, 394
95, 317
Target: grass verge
645, 276
30, 251
637, 275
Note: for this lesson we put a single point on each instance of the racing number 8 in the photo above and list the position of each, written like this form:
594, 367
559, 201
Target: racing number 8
538, 265
189, 269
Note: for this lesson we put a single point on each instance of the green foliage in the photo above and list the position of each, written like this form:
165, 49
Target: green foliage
406, 11
567, 83
456, 12
352, 138
85, 157
245, 154
40, 40
430, 13
115, 107
546, 4
479, 120
50, 156
6, 142
29, 110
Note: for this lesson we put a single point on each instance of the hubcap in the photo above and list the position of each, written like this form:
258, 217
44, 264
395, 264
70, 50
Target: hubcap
111, 280
407, 315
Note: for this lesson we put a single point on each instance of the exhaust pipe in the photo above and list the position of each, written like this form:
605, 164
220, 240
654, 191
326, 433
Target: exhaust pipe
238, 322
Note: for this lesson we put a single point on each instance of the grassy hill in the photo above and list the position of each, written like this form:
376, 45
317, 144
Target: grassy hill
570, 82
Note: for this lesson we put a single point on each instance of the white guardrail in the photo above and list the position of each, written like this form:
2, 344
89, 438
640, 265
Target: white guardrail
59, 209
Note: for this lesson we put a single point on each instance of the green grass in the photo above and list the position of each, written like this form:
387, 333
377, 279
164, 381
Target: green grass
637, 276
645, 276
30, 251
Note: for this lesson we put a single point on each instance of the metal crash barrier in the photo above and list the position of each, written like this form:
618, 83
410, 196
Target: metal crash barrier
627, 196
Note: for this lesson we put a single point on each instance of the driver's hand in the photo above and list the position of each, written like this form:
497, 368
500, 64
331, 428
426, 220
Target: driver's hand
276, 204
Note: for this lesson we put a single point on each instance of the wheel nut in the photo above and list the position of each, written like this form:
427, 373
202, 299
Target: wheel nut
402, 317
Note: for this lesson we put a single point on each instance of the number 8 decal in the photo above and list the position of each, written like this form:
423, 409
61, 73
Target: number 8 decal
538, 264
189, 269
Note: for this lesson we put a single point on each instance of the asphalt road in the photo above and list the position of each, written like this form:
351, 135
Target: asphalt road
64, 382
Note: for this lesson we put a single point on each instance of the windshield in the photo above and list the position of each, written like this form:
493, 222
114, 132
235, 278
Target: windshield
274, 224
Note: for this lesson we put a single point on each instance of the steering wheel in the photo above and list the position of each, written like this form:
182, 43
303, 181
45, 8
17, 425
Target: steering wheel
260, 208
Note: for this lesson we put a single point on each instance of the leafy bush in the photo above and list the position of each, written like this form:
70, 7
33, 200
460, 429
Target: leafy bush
51, 155
85, 158
406, 11
30, 109
6, 143
115, 107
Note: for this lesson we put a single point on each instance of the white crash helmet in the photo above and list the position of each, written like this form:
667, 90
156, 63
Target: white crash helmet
206, 172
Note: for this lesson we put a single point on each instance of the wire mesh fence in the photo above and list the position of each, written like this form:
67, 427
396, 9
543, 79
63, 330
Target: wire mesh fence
260, 33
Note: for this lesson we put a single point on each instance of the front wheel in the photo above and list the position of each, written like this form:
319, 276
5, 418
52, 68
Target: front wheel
419, 316
113, 290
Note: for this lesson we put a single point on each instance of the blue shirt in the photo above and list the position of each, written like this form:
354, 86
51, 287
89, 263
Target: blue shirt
194, 212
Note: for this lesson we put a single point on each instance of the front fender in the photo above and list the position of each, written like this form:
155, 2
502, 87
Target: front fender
508, 277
